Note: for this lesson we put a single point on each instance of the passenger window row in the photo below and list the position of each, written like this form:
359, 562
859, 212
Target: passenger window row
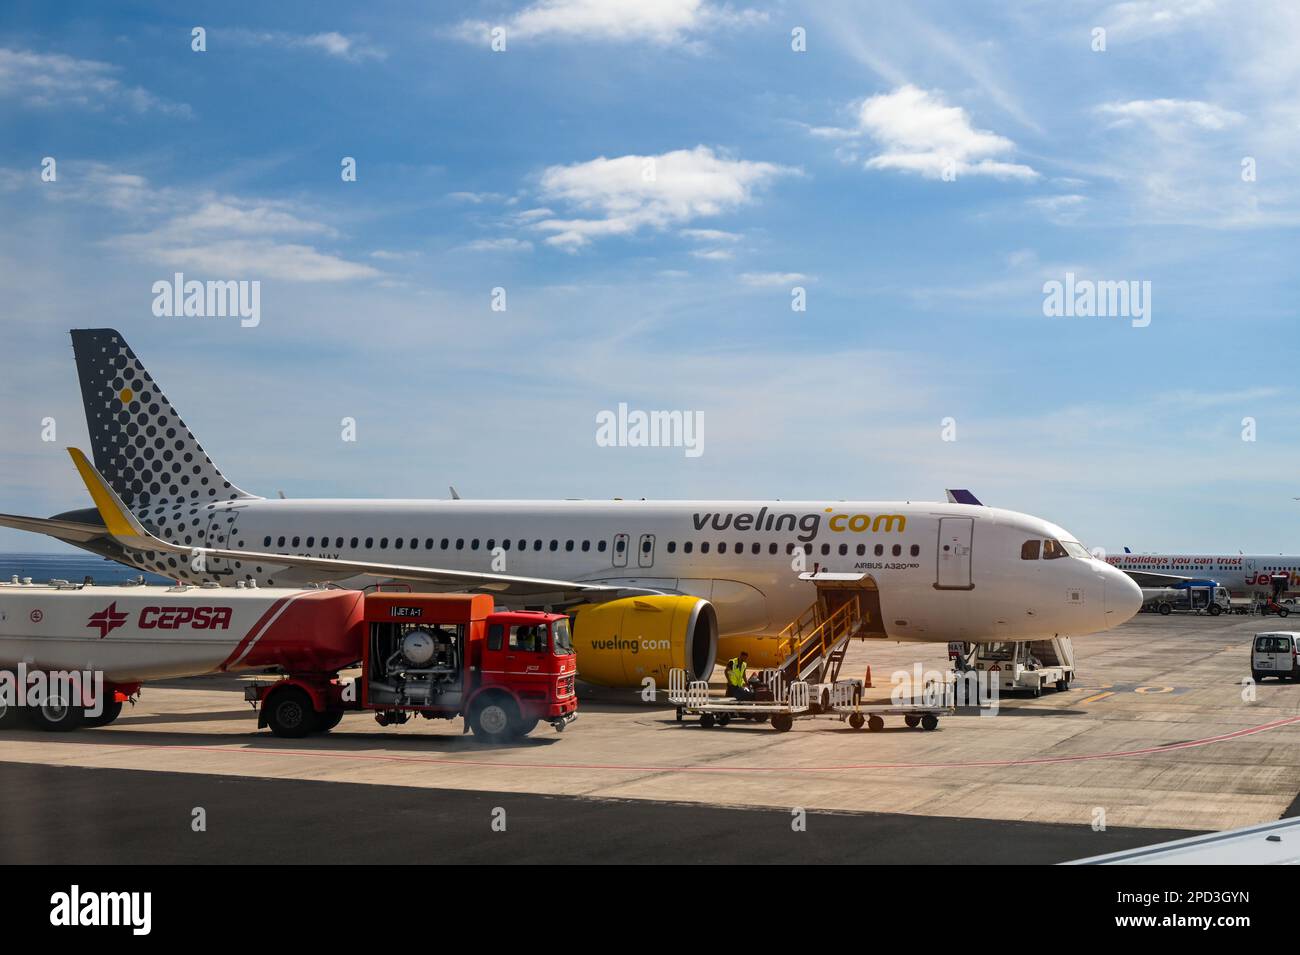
459, 543
430, 543
775, 548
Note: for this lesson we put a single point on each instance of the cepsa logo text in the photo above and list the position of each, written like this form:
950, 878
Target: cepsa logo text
173, 618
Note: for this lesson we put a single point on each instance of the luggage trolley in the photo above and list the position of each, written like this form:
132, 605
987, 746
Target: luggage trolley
784, 706
924, 715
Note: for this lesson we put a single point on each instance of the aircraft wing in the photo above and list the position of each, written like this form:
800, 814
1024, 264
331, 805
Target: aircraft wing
73, 532
124, 528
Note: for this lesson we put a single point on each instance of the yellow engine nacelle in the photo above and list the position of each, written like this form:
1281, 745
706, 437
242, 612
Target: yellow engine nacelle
622, 642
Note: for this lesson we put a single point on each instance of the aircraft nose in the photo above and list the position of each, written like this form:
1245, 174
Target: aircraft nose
1123, 598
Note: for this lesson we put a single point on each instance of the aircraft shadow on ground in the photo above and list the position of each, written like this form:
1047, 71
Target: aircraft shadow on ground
395, 742
1020, 711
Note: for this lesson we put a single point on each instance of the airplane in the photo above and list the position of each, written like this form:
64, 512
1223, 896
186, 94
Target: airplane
1244, 575
651, 585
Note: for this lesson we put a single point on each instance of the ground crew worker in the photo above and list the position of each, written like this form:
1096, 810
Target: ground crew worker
737, 684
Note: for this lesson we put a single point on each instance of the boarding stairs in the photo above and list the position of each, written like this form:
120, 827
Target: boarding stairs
1057, 652
815, 642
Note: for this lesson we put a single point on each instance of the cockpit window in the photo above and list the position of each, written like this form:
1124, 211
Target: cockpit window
1029, 550
1054, 549
1075, 549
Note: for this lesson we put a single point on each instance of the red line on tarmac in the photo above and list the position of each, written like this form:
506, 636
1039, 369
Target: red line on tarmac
618, 767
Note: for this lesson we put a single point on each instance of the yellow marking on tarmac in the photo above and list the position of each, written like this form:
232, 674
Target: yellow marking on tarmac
1154, 689
1099, 696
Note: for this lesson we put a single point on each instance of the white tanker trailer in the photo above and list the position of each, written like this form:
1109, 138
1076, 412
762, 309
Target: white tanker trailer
86, 636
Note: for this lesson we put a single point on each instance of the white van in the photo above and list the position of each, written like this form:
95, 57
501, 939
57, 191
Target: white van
1276, 654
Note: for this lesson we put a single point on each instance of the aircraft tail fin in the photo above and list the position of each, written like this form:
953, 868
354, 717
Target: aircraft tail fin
141, 446
962, 496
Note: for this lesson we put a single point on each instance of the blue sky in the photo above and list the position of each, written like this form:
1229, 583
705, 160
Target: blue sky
823, 169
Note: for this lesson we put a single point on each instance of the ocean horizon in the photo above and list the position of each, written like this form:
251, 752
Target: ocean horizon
42, 568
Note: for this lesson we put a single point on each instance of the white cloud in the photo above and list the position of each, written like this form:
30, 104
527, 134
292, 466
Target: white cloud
1138, 18
256, 258
475, 198
710, 235
223, 235
226, 215
1063, 208
713, 255
339, 45
773, 279
920, 133
53, 80
658, 21
626, 194
1170, 113
505, 244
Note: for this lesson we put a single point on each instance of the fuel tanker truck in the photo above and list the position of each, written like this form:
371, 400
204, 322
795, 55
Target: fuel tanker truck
72, 654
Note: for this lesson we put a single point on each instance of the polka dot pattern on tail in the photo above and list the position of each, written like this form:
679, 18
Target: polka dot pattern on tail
140, 444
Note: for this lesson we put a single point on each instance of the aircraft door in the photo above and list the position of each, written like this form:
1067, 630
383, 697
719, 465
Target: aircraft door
955, 540
220, 533
645, 551
619, 555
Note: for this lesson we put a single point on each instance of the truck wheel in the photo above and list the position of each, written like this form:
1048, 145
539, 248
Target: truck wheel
929, 722
328, 720
56, 716
494, 720
1282, 611
707, 720
1215, 610
112, 710
912, 721
10, 715
781, 722
290, 714
527, 726
1166, 610
1062, 685
857, 720
875, 724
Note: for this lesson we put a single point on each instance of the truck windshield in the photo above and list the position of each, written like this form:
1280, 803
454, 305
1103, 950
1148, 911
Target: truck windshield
529, 638
563, 643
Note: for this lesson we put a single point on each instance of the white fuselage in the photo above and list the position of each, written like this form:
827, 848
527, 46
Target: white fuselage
943, 571
1243, 574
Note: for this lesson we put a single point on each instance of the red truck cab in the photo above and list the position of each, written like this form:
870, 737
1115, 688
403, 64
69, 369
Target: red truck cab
440, 656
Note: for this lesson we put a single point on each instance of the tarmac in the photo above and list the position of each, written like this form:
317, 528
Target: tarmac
1158, 738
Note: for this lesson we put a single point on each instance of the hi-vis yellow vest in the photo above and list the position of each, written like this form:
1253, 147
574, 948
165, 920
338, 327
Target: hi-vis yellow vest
736, 672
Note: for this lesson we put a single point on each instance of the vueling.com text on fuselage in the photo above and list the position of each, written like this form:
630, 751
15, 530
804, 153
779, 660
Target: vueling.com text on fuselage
806, 524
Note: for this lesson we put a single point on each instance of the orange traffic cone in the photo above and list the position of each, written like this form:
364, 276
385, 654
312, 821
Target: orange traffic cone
867, 681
